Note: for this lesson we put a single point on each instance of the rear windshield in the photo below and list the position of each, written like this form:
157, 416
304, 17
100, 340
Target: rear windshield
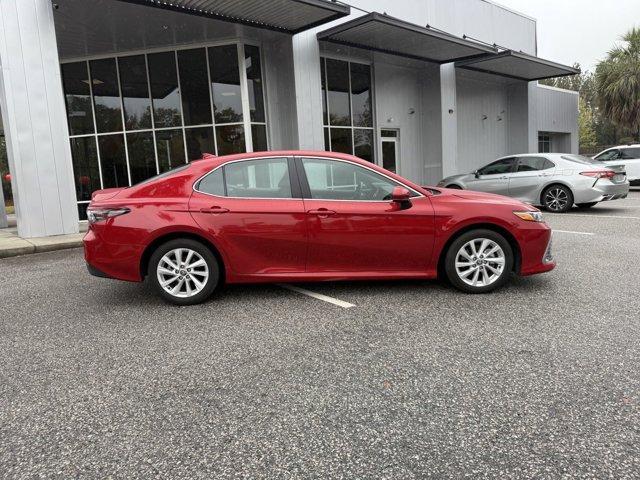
162, 175
582, 159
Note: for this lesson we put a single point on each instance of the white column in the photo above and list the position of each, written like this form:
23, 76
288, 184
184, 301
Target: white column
306, 65
33, 112
449, 115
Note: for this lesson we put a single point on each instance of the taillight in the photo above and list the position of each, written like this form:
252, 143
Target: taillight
98, 214
599, 173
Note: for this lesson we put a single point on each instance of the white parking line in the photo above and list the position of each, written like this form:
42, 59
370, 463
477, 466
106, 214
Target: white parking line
570, 231
593, 216
318, 296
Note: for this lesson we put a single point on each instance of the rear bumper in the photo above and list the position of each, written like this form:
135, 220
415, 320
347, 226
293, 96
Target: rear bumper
602, 192
108, 260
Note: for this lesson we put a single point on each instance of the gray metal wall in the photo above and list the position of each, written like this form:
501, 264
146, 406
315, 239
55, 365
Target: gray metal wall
553, 110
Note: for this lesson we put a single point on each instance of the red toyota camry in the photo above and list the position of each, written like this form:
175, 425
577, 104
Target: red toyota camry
306, 216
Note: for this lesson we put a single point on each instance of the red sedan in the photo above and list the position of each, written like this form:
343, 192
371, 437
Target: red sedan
296, 216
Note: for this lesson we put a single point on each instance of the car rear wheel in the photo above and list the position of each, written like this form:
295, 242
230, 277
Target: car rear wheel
184, 271
557, 199
479, 261
454, 187
586, 205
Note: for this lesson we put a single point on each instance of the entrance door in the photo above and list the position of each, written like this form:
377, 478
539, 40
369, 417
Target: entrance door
390, 153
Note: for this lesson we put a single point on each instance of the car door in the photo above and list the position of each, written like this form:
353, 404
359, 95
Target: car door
526, 182
254, 210
493, 178
631, 158
354, 226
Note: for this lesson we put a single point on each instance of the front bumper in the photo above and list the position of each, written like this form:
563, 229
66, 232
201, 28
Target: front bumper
536, 250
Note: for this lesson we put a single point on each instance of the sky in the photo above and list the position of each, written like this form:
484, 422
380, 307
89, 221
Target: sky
580, 31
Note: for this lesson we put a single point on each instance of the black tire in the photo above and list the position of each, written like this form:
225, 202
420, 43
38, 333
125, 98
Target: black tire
450, 261
209, 258
557, 199
454, 187
586, 205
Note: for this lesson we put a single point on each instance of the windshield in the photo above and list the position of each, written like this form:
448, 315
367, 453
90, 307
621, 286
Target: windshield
582, 159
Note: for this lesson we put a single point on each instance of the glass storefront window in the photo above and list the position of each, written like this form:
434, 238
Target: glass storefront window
230, 139
106, 95
135, 92
254, 83
338, 90
165, 92
361, 95
347, 107
134, 116
341, 140
194, 81
259, 134
75, 81
113, 161
225, 84
142, 163
199, 142
85, 167
170, 147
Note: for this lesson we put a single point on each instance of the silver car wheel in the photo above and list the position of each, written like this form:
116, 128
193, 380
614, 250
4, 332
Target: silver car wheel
182, 272
480, 262
556, 199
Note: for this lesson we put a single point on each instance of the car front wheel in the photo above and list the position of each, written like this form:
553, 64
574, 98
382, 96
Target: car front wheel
557, 199
184, 271
479, 261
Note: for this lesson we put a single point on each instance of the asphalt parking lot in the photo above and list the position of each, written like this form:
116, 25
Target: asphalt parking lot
540, 380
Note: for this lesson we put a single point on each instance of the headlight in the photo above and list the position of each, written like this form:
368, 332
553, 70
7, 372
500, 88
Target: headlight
98, 214
440, 183
530, 215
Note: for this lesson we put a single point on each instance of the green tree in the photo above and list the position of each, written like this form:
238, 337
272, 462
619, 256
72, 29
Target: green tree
618, 83
586, 126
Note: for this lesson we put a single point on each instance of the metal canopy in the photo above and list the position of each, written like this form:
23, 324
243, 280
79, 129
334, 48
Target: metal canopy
385, 34
517, 65
289, 16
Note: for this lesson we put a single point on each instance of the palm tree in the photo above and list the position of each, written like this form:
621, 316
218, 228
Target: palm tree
618, 83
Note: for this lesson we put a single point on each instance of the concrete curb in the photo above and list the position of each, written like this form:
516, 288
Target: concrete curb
13, 246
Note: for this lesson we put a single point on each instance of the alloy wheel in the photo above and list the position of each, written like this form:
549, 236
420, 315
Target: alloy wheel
480, 262
182, 272
556, 199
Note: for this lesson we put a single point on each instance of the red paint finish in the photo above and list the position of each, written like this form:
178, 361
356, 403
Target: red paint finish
302, 239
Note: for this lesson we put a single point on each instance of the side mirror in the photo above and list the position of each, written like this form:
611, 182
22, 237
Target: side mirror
476, 174
400, 195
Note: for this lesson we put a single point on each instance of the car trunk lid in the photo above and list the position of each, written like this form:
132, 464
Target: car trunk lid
105, 194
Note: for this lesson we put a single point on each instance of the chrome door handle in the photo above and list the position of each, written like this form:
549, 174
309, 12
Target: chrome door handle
321, 212
215, 210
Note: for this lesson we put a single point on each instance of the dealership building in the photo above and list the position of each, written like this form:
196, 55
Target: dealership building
105, 93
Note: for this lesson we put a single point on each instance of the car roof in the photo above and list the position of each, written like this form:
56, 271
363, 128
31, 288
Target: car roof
209, 161
630, 145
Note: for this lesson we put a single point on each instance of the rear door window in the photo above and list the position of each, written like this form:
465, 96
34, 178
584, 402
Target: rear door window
263, 178
533, 164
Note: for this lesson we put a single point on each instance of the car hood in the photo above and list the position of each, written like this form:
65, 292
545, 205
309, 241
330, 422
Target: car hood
489, 198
